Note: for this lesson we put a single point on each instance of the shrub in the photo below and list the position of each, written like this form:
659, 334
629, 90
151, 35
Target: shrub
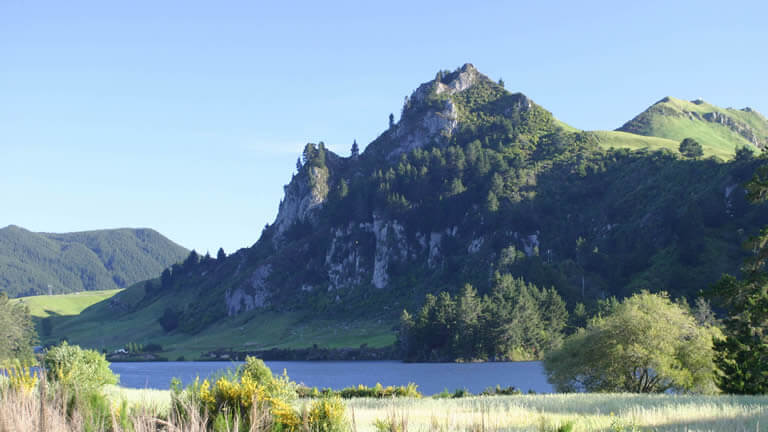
77, 368
328, 415
501, 391
21, 376
240, 398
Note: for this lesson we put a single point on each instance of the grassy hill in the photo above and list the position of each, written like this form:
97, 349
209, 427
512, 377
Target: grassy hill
718, 130
45, 263
43, 306
125, 317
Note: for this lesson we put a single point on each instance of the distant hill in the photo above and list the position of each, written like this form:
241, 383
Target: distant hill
44, 263
718, 130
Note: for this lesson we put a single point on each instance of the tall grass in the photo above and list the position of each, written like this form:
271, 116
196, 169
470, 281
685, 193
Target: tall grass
580, 412
152, 411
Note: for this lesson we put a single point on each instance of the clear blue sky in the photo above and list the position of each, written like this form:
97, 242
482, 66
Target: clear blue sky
187, 117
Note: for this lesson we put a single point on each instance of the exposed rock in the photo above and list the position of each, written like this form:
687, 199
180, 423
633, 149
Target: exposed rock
531, 244
737, 126
306, 192
243, 299
475, 246
390, 244
435, 240
343, 259
434, 127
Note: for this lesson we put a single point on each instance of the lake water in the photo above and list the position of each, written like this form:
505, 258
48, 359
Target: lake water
430, 377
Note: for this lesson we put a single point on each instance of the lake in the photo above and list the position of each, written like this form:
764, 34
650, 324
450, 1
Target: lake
430, 377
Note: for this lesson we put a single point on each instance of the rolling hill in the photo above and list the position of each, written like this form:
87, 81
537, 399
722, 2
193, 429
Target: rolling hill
718, 130
46, 263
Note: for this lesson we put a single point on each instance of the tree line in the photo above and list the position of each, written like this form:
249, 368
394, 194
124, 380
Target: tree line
515, 321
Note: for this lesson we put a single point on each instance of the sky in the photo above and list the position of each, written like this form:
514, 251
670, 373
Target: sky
188, 116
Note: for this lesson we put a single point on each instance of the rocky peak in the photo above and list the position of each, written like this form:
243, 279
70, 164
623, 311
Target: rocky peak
430, 115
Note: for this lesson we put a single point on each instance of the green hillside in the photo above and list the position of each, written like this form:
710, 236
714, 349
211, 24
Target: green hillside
473, 181
126, 318
44, 263
618, 140
43, 306
718, 130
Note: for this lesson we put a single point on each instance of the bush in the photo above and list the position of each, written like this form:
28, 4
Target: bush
328, 415
78, 369
19, 376
240, 397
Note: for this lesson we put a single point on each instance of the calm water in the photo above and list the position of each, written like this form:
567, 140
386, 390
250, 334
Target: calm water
430, 377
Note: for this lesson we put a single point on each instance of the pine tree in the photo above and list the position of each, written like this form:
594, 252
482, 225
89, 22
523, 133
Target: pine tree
742, 356
165, 279
355, 152
220, 255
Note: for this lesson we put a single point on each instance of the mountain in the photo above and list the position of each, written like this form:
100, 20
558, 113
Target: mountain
44, 263
718, 130
472, 182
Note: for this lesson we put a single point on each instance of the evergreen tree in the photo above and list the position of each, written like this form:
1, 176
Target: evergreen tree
17, 331
491, 202
743, 355
355, 152
391, 120
166, 279
192, 260
220, 255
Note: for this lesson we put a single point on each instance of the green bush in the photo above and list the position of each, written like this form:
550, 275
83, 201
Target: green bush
78, 369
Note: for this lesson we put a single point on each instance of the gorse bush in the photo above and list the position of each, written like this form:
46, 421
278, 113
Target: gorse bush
253, 398
328, 415
78, 369
21, 376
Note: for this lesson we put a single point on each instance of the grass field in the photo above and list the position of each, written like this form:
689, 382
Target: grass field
64, 304
586, 412
104, 325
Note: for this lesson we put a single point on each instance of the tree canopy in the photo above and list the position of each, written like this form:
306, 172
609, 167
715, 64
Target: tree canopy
646, 344
516, 321
743, 355
691, 148
17, 332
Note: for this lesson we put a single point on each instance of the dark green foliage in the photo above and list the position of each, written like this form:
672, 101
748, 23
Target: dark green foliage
743, 355
170, 319
516, 321
355, 151
691, 148
166, 279
220, 255
362, 391
42, 263
17, 331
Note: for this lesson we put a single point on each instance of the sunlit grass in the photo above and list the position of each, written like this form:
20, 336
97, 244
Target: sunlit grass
586, 412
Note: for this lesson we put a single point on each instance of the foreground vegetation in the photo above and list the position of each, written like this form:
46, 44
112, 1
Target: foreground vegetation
150, 410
